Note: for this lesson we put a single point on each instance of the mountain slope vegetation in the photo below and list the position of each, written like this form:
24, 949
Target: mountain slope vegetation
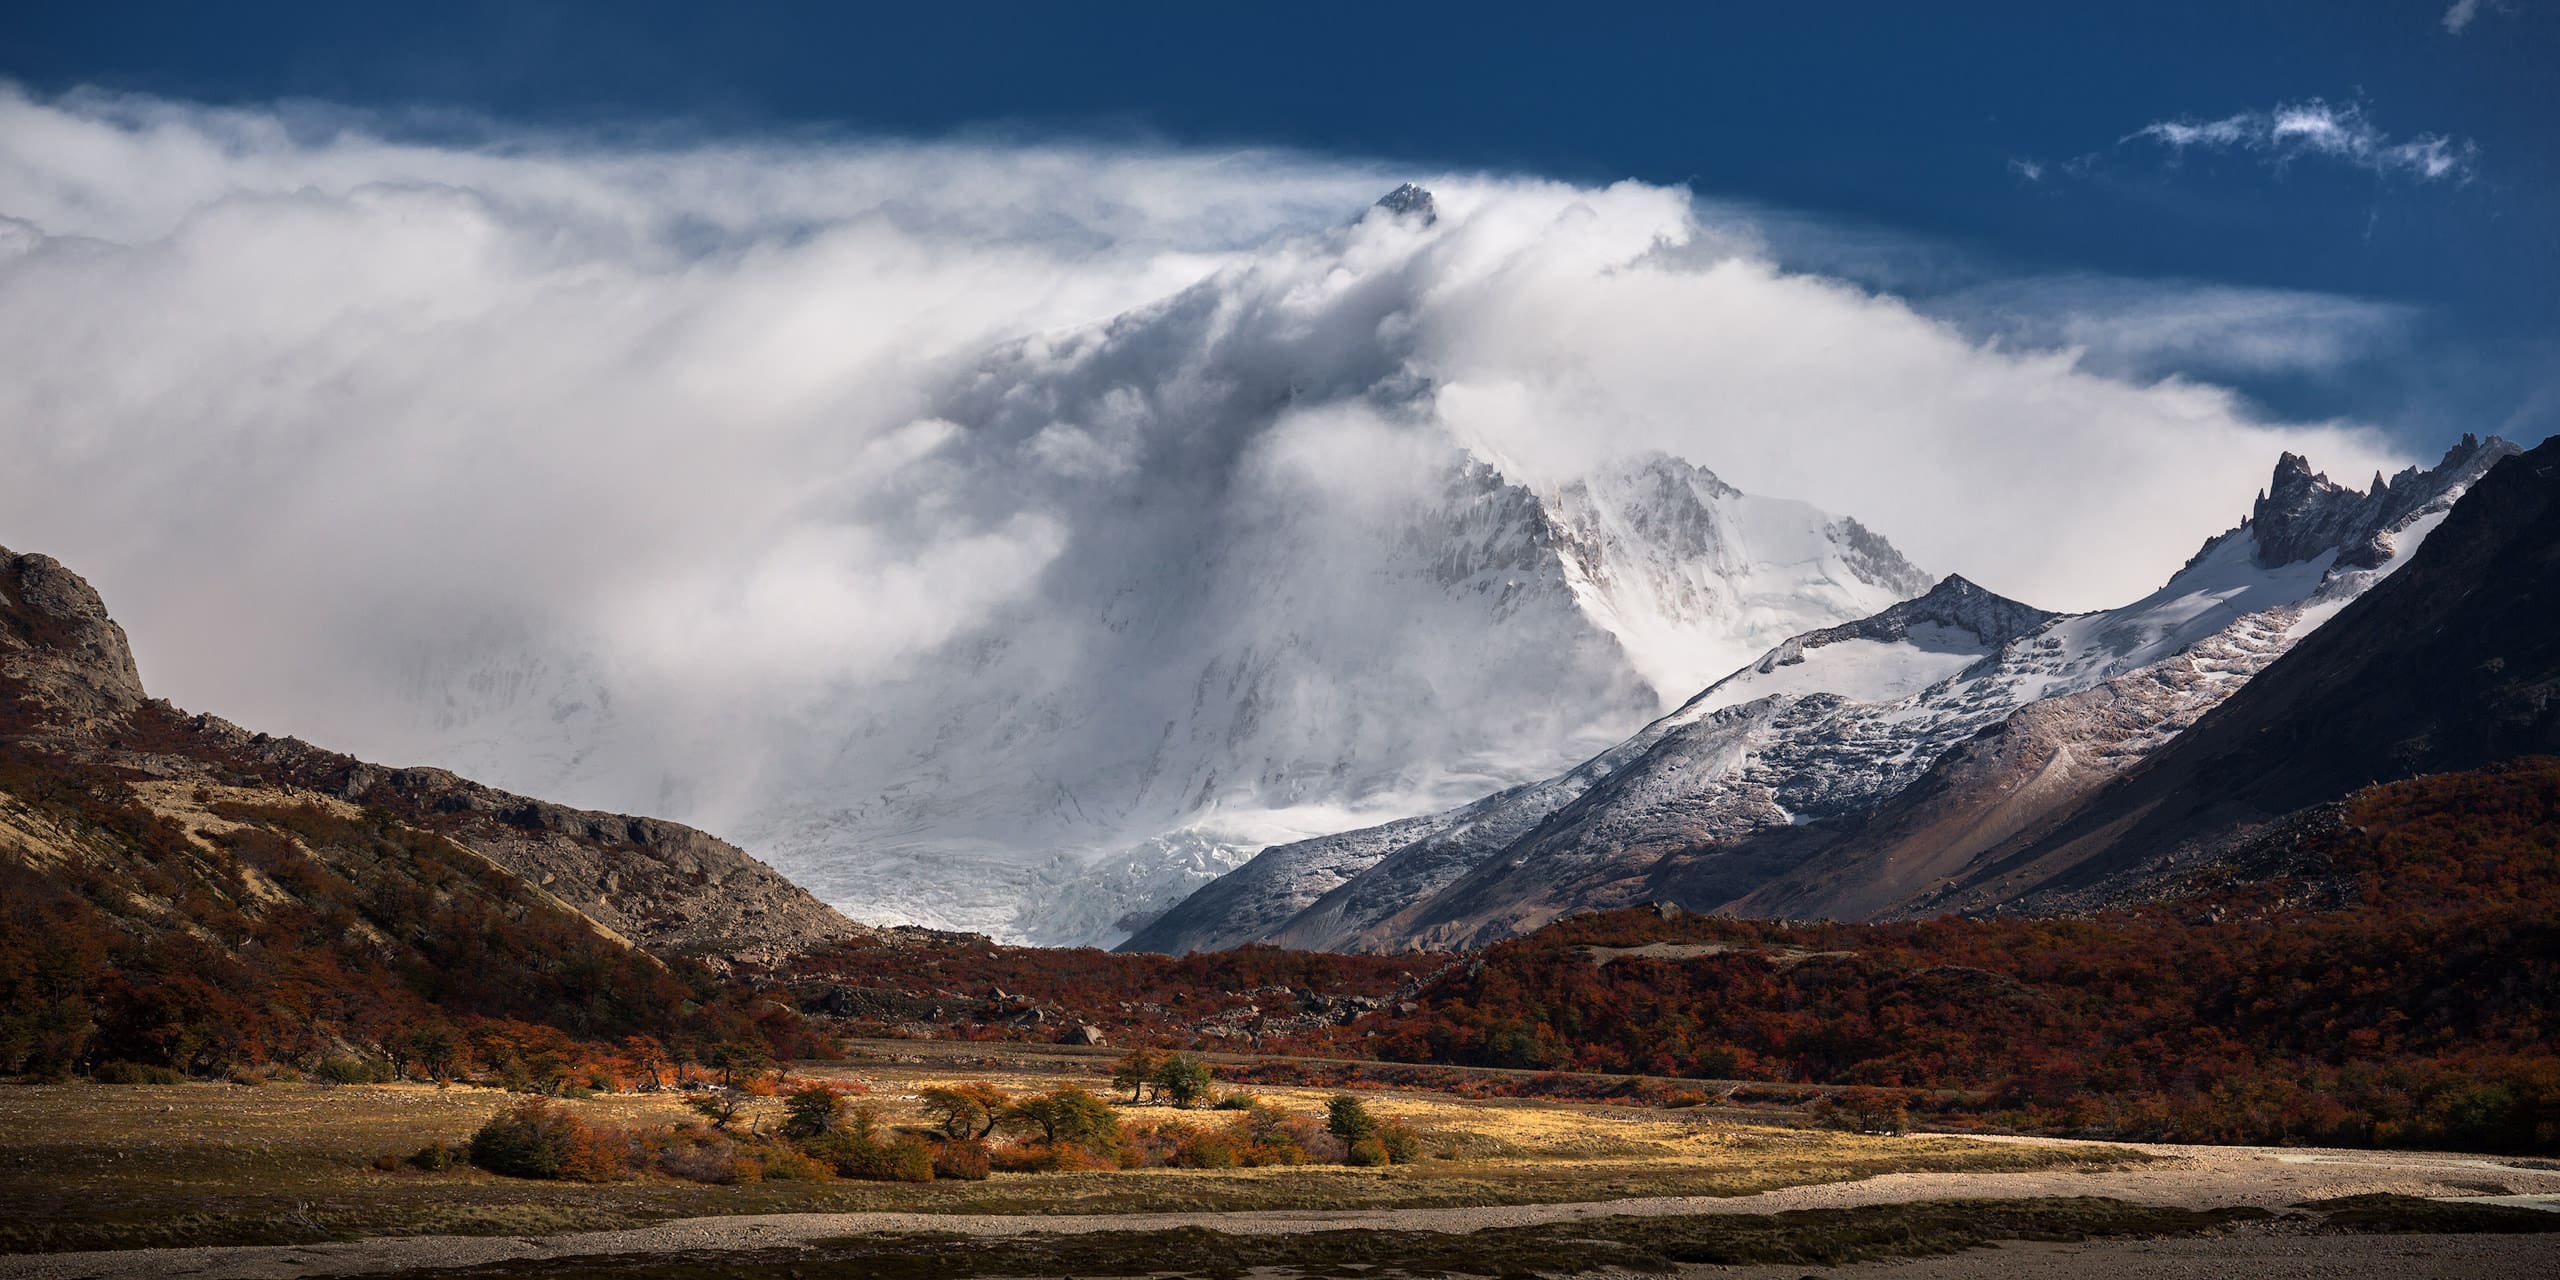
177, 893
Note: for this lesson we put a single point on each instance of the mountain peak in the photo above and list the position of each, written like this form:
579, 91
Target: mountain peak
2303, 513
1410, 199
1956, 602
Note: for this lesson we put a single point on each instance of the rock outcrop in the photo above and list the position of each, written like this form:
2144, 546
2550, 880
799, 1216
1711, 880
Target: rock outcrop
69, 687
56, 637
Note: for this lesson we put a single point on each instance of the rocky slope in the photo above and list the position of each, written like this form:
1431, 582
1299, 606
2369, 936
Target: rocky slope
1842, 774
70, 694
1336, 890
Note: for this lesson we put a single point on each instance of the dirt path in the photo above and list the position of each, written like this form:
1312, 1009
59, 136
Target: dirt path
2195, 1177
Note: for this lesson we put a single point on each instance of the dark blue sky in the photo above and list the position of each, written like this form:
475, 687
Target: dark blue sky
1895, 117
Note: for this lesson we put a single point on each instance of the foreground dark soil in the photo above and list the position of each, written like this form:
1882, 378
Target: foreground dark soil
1813, 1237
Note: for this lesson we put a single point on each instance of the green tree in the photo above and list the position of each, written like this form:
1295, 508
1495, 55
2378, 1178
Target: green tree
1347, 1118
812, 1111
529, 1140
1136, 1070
968, 1110
740, 1060
1067, 1117
1182, 1080
437, 1050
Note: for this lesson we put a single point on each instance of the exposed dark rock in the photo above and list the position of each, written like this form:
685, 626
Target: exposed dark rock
2303, 513
1410, 200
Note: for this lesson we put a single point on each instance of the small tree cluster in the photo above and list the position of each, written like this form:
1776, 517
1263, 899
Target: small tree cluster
1176, 1078
1368, 1140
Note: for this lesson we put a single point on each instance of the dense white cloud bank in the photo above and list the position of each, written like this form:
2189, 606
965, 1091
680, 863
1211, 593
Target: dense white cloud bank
653, 473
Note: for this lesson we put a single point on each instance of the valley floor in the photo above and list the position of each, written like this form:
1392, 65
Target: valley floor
211, 1162
2197, 1178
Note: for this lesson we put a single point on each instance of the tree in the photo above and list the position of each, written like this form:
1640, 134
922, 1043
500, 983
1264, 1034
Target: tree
549, 1069
720, 1108
1183, 1080
434, 1047
1347, 1118
969, 1110
649, 1059
1067, 1117
1136, 1070
812, 1111
738, 1060
534, 1139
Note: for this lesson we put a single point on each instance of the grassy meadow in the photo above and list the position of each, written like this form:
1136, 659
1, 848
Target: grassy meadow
86, 1166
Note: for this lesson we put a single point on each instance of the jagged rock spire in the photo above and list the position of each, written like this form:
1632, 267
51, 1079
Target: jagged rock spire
2303, 513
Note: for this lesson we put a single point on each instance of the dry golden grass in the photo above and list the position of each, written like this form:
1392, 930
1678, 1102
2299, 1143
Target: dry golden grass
93, 1166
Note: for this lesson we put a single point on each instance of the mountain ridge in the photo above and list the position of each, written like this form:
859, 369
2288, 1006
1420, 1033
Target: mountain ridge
1765, 770
70, 690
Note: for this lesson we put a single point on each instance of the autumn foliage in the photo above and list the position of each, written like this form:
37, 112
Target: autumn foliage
2424, 1010
305, 936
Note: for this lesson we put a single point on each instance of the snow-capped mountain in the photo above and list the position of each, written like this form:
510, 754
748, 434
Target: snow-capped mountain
1755, 774
1253, 589
1305, 670
1320, 894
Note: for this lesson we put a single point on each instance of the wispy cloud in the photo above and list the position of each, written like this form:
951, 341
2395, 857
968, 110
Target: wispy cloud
2459, 17
2030, 170
2319, 129
2149, 330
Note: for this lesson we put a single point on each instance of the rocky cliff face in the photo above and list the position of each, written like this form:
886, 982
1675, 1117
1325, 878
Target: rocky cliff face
2303, 514
71, 691
56, 637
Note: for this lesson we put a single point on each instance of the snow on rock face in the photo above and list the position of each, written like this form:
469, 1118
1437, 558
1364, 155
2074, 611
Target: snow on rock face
1655, 546
1840, 718
1889, 655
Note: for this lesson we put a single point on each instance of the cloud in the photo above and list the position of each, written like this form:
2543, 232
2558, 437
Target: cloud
2316, 128
2459, 17
2031, 170
2149, 330
700, 475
